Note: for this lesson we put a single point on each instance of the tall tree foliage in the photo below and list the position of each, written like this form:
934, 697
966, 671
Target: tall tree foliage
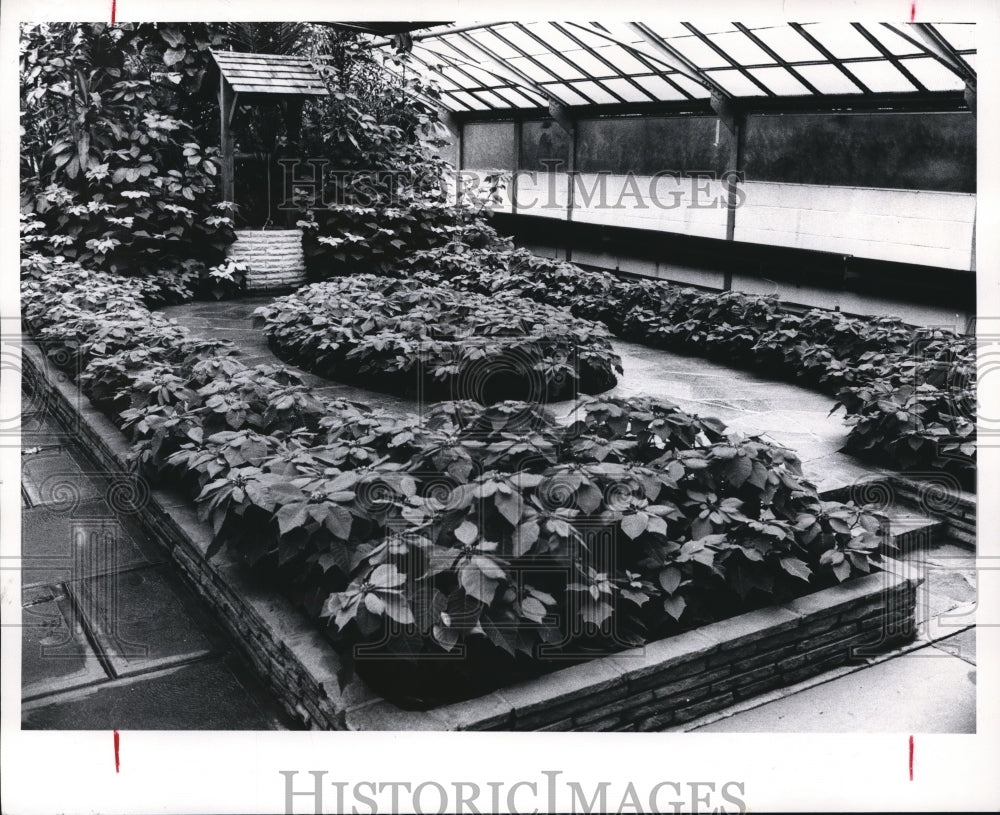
115, 177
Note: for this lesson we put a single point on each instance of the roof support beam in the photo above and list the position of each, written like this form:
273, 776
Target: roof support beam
727, 111
941, 48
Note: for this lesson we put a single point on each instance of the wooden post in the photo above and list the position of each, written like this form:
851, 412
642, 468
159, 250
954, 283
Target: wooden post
227, 102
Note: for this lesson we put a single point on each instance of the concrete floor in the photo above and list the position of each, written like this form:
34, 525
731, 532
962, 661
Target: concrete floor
111, 637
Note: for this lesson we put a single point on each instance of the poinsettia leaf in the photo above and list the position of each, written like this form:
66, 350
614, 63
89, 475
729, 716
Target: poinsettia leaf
635, 524
524, 537
670, 578
467, 532
795, 567
674, 605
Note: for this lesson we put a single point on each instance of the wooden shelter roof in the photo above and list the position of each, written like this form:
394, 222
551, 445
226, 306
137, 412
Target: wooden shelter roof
270, 73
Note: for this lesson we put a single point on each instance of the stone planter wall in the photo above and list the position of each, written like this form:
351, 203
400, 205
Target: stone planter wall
662, 684
937, 497
274, 258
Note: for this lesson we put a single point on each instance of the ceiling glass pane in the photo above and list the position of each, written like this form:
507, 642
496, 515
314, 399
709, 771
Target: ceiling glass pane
696, 89
669, 30
526, 66
493, 99
622, 60
787, 43
827, 79
551, 36
881, 77
660, 88
595, 92
565, 94
960, 35
516, 99
780, 81
933, 74
735, 83
742, 49
842, 40
470, 100
582, 32
900, 46
587, 61
520, 39
560, 67
697, 51
492, 42
626, 90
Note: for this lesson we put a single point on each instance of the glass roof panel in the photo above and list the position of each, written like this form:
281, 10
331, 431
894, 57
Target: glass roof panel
900, 46
742, 49
664, 29
697, 51
470, 100
526, 66
735, 83
582, 32
933, 74
560, 67
551, 36
660, 88
522, 40
961, 36
827, 79
842, 40
881, 77
595, 92
587, 62
565, 94
696, 89
787, 43
489, 40
516, 99
780, 81
622, 60
626, 90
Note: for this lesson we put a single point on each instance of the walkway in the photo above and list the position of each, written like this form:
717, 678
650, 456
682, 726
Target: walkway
750, 404
111, 638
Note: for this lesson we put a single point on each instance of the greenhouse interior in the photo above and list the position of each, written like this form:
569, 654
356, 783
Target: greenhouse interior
523, 376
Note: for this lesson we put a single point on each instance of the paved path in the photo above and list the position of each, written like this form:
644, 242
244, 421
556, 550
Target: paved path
785, 413
111, 638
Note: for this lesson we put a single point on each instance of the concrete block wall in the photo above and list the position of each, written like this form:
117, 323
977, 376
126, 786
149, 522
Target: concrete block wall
685, 206
274, 258
905, 226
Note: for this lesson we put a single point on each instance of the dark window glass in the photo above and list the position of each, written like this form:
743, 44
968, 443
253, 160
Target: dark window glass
647, 145
544, 145
916, 151
488, 145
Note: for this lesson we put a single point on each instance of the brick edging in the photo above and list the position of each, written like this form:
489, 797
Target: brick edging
663, 683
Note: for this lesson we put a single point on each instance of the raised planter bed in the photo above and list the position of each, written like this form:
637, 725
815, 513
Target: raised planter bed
661, 684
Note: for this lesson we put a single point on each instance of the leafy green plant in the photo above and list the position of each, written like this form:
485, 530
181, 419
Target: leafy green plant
406, 337
495, 528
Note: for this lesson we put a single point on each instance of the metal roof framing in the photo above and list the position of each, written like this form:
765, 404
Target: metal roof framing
531, 74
